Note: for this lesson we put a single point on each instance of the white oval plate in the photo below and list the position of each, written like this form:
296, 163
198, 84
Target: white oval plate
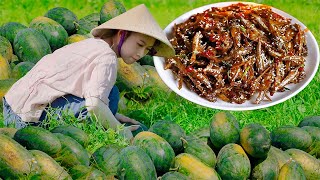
312, 63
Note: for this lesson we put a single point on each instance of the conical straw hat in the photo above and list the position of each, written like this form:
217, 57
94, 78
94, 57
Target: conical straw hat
140, 20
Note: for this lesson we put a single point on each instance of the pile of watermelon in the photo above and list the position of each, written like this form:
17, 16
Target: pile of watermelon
220, 151
21, 47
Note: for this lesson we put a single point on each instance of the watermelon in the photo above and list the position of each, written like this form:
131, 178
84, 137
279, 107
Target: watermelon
266, 168
111, 9
287, 137
313, 131
4, 68
55, 34
193, 168
8, 131
65, 17
15, 160
135, 164
10, 30
72, 153
146, 60
159, 150
310, 121
14, 61
106, 158
48, 167
5, 85
171, 132
291, 171
309, 164
87, 173
129, 76
224, 129
280, 156
30, 45
173, 175
202, 151
77, 134
233, 162
6, 49
87, 23
37, 138
21, 69
76, 38
154, 79
255, 140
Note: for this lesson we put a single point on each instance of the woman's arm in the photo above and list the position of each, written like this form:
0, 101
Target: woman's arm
102, 113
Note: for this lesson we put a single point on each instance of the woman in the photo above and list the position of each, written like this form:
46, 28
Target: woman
80, 77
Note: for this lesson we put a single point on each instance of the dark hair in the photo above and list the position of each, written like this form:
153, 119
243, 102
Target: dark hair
153, 51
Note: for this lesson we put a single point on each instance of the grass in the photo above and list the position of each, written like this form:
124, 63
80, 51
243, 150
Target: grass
169, 105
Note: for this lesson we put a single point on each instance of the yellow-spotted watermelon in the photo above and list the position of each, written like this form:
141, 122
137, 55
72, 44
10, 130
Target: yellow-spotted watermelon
255, 140
224, 129
111, 9
159, 150
4, 68
76, 38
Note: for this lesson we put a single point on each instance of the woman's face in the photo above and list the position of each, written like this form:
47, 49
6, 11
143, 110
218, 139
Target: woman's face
136, 46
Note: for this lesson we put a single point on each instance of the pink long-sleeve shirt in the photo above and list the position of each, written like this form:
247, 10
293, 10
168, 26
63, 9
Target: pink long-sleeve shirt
85, 69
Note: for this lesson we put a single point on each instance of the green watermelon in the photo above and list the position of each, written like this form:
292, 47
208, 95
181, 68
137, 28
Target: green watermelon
37, 138
55, 34
30, 45
106, 158
14, 61
6, 49
159, 150
72, 153
266, 168
135, 164
196, 147
310, 121
10, 30
21, 69
87, 173
65, 17
87, 23
171, 132
111, 9
173, 175
77, 134
233, 162
146, 60
287, 137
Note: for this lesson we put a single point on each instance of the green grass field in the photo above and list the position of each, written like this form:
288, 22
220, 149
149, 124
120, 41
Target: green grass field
163, 106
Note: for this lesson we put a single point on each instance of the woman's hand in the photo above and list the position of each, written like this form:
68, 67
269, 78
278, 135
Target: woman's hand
124, 119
